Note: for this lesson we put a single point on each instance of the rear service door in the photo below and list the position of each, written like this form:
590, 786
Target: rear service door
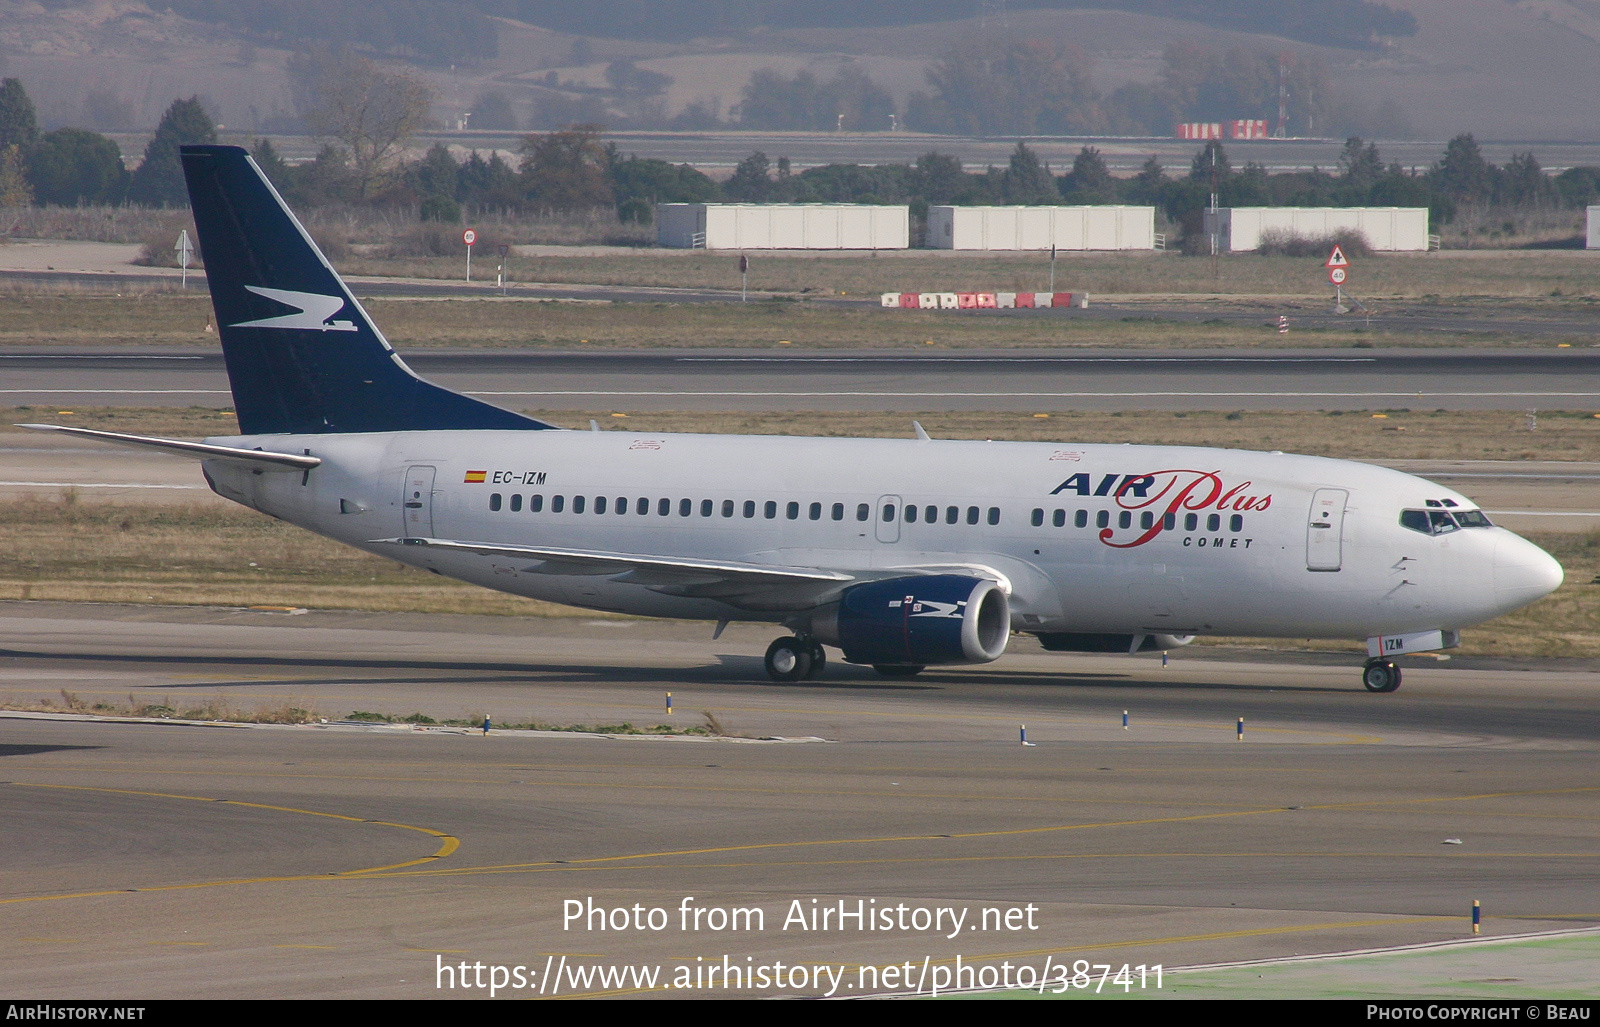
1325, 530
417, 502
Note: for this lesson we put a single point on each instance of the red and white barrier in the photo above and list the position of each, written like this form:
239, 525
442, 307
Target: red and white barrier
982, 300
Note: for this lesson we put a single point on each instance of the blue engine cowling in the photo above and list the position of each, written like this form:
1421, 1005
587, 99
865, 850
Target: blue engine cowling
918, 620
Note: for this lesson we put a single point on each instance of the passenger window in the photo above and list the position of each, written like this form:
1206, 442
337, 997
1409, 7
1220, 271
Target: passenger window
685, 507
494, 501
556, 503
1124, 519
792, 511
888, 511
663, 508
727, 508
838, 511
642, 506
535, 503
1038, 517
972, 515
1416, 520
770, 510
1059, 518
816, 511
577, 504
1191, 521
706, 506
516, 504
931, 514
1102, 518
1169, 522
952, 514
1236, 523
599, 504
749, 508
622, 505
911, 513
1441, 522
1081, 519
1147, 520
863, 511
1213, 522
994, 515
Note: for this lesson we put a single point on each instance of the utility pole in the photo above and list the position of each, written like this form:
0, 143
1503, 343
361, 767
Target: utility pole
744, 278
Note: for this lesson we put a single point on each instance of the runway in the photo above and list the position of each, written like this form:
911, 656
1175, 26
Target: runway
1554, 379
172, 861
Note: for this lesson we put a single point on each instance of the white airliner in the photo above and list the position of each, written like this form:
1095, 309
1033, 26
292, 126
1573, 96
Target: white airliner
901, 553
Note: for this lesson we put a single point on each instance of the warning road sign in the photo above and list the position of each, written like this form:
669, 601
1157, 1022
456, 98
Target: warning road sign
1337, 258
1336, 275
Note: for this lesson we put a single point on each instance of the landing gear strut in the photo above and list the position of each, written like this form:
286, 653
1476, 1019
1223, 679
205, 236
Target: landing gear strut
795, 659
1380, 676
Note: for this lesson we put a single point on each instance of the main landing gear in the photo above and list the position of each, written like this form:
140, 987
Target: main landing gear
795, 659
1380, 676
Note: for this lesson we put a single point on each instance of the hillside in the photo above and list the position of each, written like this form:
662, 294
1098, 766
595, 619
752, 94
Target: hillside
1523, 70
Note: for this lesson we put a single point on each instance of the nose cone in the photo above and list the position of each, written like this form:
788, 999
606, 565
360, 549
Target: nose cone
1523, 572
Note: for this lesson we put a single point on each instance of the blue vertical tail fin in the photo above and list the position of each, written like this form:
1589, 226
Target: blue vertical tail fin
302, 355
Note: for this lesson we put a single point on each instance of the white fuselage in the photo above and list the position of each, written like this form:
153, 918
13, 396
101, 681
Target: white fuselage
1196, 541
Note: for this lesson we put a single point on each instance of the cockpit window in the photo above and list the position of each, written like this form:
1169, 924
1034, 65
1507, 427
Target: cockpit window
1441, 522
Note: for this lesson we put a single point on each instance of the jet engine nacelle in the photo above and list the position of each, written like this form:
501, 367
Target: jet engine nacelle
919, 620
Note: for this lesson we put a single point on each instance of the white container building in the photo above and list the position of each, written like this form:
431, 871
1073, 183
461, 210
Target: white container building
1104, 227
783, 226
1594, 229
1388, 229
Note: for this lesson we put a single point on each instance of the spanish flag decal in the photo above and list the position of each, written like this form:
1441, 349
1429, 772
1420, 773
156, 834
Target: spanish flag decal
475, 477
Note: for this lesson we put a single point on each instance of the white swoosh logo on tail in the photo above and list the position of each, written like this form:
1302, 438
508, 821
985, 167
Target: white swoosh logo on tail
314, 311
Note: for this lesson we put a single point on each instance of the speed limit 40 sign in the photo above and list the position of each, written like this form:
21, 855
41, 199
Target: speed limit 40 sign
1336, 275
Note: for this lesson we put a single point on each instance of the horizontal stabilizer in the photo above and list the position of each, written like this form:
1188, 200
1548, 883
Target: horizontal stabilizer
199, 450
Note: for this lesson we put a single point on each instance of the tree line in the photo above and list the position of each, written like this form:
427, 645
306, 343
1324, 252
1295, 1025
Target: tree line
984, 87
368, 115
72, 166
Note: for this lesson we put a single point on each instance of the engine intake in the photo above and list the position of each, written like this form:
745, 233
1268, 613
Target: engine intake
918, 620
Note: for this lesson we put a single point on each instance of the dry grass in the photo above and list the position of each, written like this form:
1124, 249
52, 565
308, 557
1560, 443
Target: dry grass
210, 555
217, 708
1526, 274
1353, 435
176, 319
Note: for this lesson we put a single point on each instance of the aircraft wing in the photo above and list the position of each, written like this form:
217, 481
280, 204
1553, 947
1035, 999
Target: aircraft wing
749, 585
200, 450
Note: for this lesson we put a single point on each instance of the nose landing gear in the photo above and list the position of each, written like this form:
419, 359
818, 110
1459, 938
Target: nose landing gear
793, 658
1380, 676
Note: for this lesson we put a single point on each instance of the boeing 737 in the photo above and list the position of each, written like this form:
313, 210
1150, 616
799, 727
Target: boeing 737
899, 553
